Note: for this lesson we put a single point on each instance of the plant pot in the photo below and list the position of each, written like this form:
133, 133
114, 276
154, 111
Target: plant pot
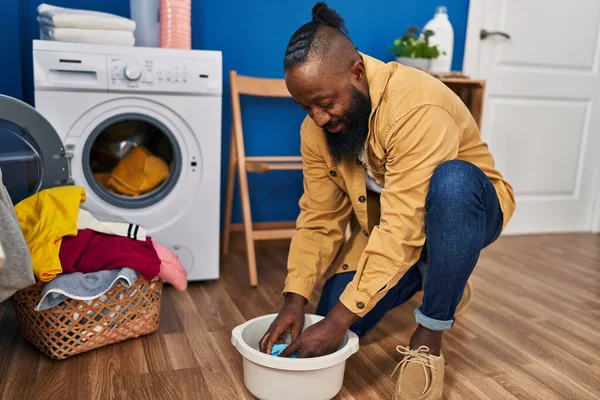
420, 63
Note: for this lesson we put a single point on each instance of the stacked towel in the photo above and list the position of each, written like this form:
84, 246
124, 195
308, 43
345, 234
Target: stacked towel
83, 26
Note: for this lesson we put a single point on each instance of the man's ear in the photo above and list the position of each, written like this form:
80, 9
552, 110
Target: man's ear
357, 71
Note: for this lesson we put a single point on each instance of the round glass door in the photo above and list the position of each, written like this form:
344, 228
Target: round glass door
20, 161
131, 160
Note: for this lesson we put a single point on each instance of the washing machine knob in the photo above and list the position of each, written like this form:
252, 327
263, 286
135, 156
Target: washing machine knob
133, 72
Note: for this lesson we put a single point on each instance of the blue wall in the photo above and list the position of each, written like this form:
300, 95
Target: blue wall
10, 69
252, 36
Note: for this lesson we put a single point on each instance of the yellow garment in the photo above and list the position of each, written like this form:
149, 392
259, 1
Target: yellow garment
416, 123
103, 179
45, 218
139, 172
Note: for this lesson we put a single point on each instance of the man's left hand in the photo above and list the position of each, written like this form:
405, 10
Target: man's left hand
324, 337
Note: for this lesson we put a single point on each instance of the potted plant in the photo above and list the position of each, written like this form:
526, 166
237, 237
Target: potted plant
413, 48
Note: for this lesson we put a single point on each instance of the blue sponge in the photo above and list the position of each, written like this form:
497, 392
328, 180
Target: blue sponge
278, 349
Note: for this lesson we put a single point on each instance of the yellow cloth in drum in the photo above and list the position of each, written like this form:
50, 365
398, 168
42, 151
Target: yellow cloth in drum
103, 179
138, 173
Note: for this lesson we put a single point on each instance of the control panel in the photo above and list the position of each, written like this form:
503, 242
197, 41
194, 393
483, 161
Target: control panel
164, 75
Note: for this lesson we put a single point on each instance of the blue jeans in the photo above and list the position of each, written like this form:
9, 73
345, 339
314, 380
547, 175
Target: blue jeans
462, 217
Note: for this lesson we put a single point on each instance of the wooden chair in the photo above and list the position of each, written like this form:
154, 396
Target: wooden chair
252, 86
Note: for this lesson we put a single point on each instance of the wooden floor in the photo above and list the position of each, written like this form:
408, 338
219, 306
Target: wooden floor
531, 332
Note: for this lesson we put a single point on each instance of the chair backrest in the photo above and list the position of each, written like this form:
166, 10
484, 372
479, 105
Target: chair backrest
253, 86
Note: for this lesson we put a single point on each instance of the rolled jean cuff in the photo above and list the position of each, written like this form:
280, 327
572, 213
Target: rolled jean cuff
430, 323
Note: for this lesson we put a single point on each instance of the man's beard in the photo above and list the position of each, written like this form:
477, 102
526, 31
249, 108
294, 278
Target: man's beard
348, 144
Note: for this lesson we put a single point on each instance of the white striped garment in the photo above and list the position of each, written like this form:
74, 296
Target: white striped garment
85, 220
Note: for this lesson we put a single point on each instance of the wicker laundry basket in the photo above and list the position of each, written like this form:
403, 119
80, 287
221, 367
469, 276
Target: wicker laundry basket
76, 326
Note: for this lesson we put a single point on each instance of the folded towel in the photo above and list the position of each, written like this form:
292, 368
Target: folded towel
91, 36
59, 17
81, 286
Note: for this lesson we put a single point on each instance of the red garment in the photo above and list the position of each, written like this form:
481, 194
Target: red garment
92, 251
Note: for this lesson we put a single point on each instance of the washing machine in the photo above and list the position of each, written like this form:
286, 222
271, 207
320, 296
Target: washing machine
97, 106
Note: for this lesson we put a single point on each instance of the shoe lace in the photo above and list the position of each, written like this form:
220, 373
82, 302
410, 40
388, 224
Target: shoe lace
419, 356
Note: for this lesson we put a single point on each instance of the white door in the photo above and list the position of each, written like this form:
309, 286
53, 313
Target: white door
542, 106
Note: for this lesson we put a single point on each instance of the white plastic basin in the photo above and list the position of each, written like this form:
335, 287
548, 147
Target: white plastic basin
278, 378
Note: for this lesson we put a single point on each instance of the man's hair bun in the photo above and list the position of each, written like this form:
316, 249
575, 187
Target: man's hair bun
323, 14
303, 40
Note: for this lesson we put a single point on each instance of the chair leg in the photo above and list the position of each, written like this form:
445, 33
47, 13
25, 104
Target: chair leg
229, 198
245, 197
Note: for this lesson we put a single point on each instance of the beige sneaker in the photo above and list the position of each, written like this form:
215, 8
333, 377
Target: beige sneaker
466, 298
421, 375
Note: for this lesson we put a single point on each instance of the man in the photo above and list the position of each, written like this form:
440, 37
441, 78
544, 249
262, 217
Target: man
399, 150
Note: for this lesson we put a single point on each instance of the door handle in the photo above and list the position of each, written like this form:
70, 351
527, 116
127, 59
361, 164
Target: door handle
485, 34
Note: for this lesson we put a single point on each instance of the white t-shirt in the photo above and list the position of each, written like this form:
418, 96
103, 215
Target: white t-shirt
372, 183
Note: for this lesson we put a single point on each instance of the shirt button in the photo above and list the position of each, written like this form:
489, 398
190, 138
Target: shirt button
345, 267
362, 199
332, 173
360, 305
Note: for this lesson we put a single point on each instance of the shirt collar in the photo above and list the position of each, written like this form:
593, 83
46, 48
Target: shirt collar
378, 75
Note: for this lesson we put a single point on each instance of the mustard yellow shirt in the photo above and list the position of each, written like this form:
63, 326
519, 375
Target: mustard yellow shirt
416, 123
45, 218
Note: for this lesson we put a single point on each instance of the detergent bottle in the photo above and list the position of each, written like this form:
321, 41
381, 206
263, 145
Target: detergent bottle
443, 38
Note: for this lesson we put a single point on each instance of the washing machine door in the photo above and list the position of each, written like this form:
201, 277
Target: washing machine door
32, 156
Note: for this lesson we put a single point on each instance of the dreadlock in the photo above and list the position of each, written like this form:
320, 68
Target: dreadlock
306, 41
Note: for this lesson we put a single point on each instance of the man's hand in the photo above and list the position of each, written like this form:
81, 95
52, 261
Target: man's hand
290, 319
324, 337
